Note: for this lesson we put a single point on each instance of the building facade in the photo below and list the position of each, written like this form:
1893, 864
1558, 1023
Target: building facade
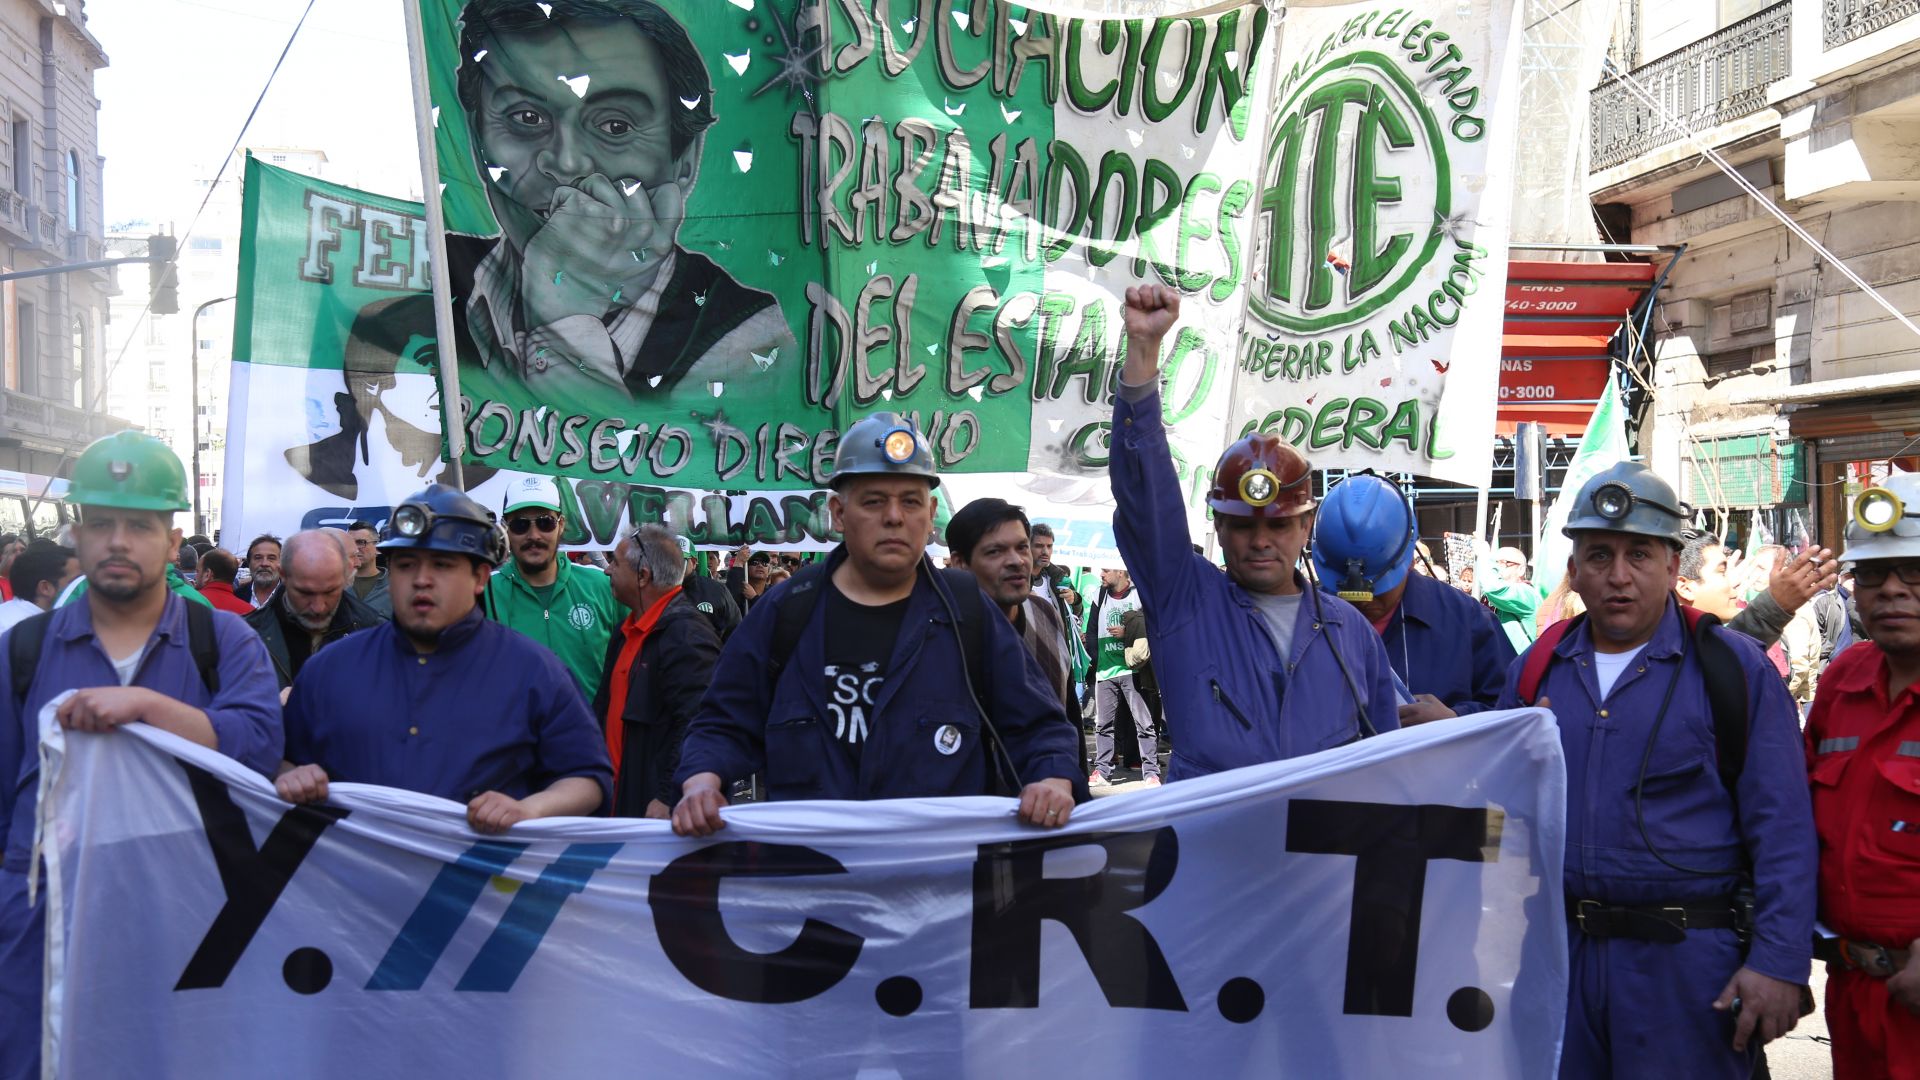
1779, 384
52, 328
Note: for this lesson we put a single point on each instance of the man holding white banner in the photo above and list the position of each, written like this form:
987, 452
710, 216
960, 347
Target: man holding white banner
128, 651
492, 719
1690, 867
1257, 665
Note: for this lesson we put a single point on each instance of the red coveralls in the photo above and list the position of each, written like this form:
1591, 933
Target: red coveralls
1863, 756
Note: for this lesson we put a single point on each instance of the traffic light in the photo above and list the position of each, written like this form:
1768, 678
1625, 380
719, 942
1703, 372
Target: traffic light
163, 275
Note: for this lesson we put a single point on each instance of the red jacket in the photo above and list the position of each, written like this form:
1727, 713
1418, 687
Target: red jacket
1863, 756
220, 594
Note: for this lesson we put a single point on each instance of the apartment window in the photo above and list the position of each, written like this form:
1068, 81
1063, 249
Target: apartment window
27, 326
23, 157
73, 192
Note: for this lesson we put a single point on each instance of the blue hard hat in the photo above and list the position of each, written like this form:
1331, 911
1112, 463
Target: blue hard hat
1363, 539
444, 518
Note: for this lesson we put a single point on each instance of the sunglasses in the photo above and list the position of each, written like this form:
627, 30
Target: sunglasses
544, 522
1870, 576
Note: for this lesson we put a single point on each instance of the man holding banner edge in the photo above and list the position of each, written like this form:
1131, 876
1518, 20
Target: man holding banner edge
927, 691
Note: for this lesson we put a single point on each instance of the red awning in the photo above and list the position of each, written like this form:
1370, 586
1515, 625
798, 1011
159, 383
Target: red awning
1553, 356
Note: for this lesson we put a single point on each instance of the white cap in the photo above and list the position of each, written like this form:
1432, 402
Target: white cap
530, 492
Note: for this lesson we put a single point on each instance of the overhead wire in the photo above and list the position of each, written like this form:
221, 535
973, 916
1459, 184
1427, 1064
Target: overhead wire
106, 376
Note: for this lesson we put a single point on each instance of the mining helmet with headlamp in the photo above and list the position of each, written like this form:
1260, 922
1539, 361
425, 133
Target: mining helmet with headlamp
444, 518
1629, 498
883, 444
1885, 522
1363, 538
1261, 476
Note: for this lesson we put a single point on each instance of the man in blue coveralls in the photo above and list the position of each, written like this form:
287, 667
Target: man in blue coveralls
1255, 665
1666, 938
1448, 651
441, 700
132, 652
875, 676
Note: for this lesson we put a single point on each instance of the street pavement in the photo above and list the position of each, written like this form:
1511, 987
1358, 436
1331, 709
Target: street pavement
1801, 1055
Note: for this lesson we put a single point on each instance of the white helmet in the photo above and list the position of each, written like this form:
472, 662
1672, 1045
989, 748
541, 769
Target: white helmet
1886, 521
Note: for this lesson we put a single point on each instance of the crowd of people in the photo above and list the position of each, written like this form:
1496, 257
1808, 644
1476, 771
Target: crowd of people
1741, 737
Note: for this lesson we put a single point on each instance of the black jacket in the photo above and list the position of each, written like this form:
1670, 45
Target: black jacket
275, 625
714, 601
664, 687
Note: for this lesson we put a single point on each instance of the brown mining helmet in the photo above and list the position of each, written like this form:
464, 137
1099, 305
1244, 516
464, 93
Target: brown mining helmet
1261, 476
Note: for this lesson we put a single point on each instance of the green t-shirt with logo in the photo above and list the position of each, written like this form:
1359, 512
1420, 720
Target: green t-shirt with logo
575, 616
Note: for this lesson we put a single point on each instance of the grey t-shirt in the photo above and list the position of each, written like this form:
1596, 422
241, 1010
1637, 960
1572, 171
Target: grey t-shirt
1279, 612
128, 667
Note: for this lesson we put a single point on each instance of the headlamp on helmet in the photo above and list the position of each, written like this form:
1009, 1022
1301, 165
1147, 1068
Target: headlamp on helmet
1356, 589
899, 445
1614, 501
411, 521
1258, 487
1878, 510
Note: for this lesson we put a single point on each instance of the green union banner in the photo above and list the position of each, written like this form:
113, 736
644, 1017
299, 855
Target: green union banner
1374, 312
688, 242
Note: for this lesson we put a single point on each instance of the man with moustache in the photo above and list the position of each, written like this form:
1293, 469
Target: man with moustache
557, 602
263, 569
873, 675
134, 652
1690, 864
1863, 756
440, 700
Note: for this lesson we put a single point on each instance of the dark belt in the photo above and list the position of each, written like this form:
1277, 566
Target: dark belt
1864, 956
1667, 923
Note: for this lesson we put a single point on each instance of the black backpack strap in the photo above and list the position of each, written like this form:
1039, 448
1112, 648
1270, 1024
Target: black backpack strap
23, 654
790, 621
204, 644
1726, 698
967, 601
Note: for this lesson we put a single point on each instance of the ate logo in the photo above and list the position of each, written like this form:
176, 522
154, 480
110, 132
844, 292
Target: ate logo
1355, 195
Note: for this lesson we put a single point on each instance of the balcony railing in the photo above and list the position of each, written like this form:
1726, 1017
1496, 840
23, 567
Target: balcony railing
1842, 21
1719, 78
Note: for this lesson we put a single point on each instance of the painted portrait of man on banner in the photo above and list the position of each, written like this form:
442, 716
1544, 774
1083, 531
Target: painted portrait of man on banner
588, 119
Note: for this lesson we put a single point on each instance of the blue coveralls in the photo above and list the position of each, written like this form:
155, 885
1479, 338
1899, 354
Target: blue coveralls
489, 710
246, 720
1445, 643
1228, 698
1641, 1008
749, 722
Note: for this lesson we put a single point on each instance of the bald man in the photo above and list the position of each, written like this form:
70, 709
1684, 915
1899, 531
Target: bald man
315, 606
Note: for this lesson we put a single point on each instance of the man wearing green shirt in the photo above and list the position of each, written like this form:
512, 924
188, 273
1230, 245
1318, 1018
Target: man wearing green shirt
1514, 599
567, 607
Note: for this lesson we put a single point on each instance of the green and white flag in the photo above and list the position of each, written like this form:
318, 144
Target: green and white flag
1603, 446
689, 242
1379, 259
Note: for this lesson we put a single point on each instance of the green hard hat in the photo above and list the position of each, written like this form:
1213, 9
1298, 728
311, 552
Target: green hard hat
129, 470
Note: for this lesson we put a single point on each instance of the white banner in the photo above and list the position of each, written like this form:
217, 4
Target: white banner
1388, 908
1380, 253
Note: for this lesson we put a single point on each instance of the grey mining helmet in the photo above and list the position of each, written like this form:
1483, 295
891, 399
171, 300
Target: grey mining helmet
1886, 521
444, 518
1629, 498
883, 444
